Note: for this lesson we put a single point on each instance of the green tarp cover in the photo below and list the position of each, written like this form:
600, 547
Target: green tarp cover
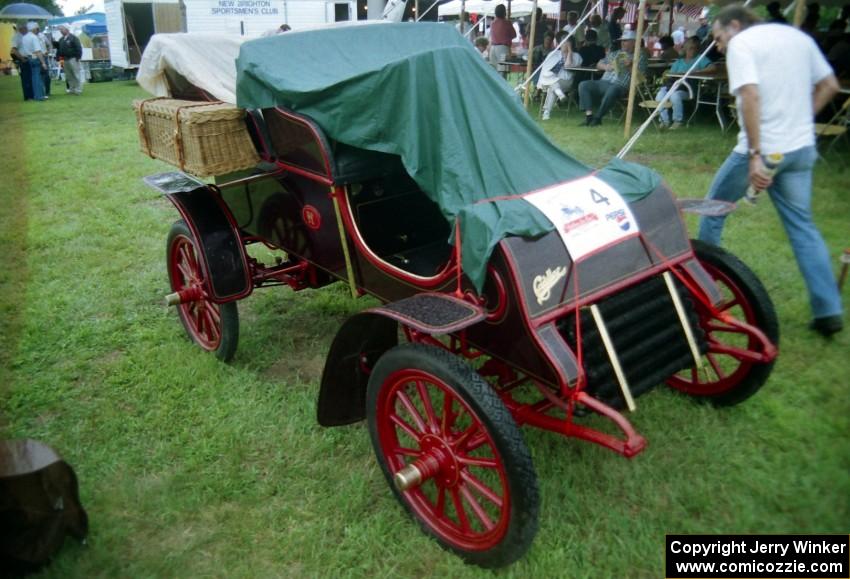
421, 91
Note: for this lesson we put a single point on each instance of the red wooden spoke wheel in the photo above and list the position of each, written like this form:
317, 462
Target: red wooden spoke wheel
730, 376
453, 454
214, 327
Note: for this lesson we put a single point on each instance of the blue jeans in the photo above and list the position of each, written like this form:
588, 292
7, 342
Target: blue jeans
26, 80
606, 92
35, 78
791, 193
678, 107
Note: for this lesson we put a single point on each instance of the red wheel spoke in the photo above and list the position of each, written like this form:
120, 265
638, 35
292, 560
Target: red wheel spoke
215, 314
461, 513
198, 316
485, 491
476, 507
398, 421
475, 461
729, 305
713, 327
214, 329
187, 258
411, 410
209, 326
440, 506
448, 415
714, 364
461, 441
203, 320
192, 259
185, 271
476, 441
413, 452
426, 403
737, 353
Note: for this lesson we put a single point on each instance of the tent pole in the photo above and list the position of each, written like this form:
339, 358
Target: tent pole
462, 17
420, 16
670, 20
530, 64
630, 109
798, 13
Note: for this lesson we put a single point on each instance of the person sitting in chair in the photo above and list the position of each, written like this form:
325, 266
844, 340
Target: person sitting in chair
539, 54
668, 49
681, 66
555, 79
613, 84
591, 52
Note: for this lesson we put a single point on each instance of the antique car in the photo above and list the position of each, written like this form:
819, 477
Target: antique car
517, 286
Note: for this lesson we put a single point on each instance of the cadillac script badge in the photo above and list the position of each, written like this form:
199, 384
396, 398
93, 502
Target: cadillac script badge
543, 284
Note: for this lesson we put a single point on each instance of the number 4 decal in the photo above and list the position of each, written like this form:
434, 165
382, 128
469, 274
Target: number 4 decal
598, 197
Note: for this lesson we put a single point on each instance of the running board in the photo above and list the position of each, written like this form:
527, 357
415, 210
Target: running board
432, 313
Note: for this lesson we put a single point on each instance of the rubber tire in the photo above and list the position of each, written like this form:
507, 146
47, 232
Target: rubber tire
228, 311
763, 310
492, 413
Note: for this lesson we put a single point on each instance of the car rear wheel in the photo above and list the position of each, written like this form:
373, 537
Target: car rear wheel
214, 327
453, 454
730, 377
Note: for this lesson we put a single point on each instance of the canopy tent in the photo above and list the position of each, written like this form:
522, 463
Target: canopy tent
488, 7
24, 11
90, 18
457, 138
89, 24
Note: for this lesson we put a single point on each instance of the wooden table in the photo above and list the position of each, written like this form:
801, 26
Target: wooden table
592, 70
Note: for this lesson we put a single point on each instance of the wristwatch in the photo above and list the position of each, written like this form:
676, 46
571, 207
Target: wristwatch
753, 153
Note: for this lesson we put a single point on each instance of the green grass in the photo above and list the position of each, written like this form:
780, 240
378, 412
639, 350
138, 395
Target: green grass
190, 467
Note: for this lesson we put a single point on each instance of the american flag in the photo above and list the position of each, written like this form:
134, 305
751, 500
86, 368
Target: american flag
631, 9
692, 11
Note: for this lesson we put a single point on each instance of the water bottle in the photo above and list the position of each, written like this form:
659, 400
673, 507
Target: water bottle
771, 162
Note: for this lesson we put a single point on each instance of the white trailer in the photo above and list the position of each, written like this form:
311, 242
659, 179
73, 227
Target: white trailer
131, 23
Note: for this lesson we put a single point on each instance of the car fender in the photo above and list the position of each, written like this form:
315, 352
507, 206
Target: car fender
365, 337
221, 251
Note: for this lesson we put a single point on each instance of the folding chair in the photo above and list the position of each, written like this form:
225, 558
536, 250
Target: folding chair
837, 125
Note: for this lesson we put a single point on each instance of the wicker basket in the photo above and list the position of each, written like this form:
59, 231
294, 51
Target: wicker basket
201, 138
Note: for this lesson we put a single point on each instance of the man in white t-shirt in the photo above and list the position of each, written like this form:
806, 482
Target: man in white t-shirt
780, 81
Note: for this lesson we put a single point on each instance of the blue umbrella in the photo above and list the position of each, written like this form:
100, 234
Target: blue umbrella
24, 11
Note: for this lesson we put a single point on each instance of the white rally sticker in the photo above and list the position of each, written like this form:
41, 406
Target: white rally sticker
588, 214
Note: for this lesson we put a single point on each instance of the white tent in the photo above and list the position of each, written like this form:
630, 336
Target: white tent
488, 7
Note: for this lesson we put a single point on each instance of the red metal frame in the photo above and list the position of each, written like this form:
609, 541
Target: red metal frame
538, 414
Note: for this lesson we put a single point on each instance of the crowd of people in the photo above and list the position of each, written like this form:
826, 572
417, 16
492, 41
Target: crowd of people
607, 45
32, 51
779, 76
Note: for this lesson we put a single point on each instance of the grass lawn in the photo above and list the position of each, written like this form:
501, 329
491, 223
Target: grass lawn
191, 467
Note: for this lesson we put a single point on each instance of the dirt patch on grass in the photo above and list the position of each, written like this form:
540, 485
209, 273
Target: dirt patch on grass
303, 365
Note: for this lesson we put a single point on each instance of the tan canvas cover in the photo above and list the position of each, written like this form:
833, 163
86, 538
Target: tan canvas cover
207, 61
